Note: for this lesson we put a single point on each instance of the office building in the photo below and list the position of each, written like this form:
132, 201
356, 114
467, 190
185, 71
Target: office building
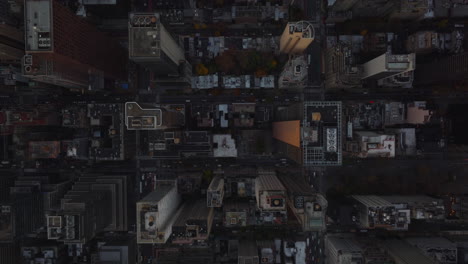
193, 223
376, 212
96, 203
58, 50
26, 210
270, 192
108, 135
308, 206
152, 46
404, 253
449, 68
310, 133
7, 180
155, 215
162, 117
12, 44
215, 192
391, 70
9, 253
271, 197
341, 249
296, 37
438, 248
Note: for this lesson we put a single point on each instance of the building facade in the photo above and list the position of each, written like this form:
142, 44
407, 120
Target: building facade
58, 50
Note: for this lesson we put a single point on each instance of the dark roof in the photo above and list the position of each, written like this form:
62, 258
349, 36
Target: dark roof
157, 195
295, 183
192, 210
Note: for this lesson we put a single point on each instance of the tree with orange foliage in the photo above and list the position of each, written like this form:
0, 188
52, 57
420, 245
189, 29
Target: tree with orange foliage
260, 73
201, 69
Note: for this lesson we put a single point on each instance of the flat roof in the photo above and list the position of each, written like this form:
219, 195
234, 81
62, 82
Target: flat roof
138, 118
323, 117
226, 146
404, 253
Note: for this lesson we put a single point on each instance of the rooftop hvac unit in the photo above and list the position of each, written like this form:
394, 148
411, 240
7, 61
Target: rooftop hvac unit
27, 60
54, 233
331, 139
69, 221
299, 202
70, 233
5, 209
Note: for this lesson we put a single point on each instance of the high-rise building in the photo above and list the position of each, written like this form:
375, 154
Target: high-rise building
59, 50
376, 212
27, 209
296, 37
308, 206
155, 215
391, 69
342, 250
193, 223
449, 68
9, 252
12, 37
310, 133
271, 197
96, 203
438, 248
215, 192
404, 253
152, 46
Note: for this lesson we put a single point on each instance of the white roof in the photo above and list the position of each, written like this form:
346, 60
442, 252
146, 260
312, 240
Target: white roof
226, 146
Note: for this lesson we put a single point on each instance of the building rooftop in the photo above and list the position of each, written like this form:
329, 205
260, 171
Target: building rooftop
107, 128
321, 133
243, 114
224, 146
405, 253
294, 72
156, 196
138, 118
268, 181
